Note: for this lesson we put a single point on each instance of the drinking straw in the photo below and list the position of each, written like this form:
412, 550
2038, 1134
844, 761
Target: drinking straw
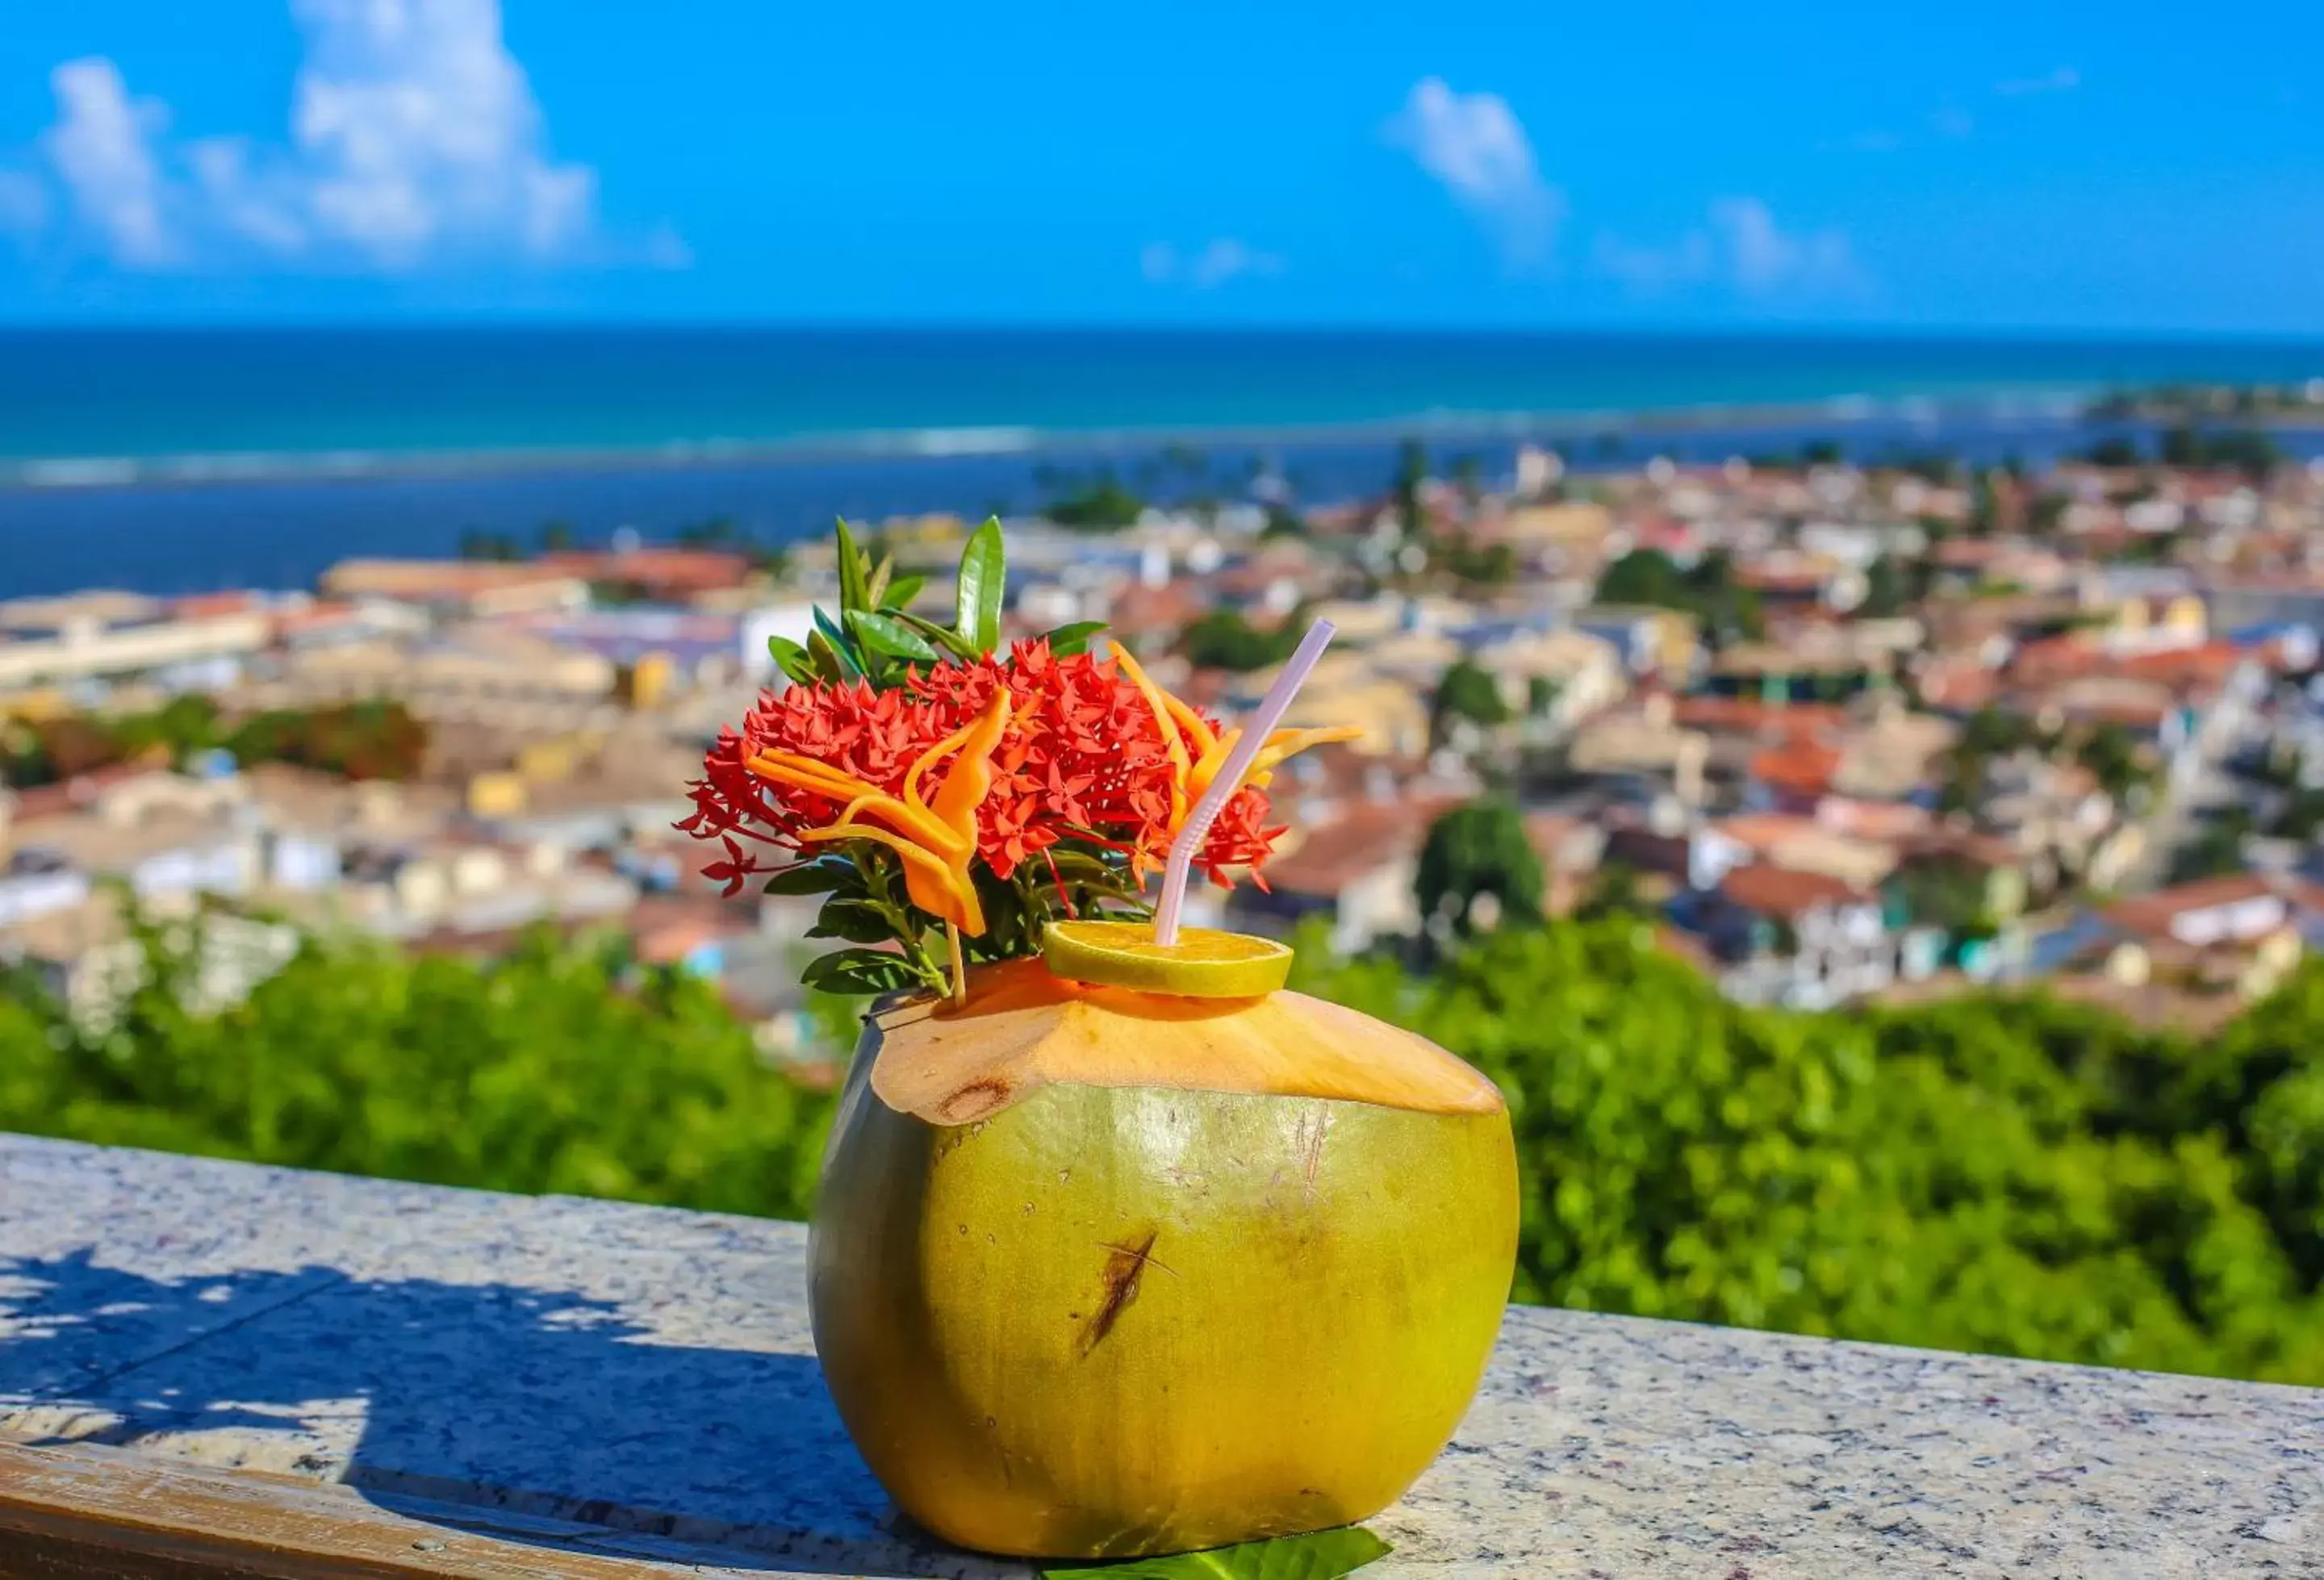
1255, 731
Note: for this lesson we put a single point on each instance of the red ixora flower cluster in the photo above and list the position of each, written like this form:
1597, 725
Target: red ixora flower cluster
1083, 757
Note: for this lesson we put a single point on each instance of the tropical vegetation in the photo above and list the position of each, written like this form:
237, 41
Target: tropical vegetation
1997, 1173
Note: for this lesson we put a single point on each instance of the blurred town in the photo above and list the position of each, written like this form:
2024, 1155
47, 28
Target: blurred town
1836, 730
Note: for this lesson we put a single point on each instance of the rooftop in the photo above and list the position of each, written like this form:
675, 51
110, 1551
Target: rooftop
1773, 891
2158, 913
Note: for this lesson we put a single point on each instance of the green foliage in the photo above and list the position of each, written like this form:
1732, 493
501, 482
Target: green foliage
2245, 450
983, 579
877, 638
1283, 522
1707, 590
478, 544
1984, 504
866, 904
2217, 847
378, 739
1887, 589
1479, 565
1941, 894
58, 748
1411, 479
2011, 1174
1480, 848
1615, 890
1934, 467
552, 1070
1467, 692
1102, 504
1322, 1555
1223, 639
2301, 817
1995, 1173
375, 739
2112, 755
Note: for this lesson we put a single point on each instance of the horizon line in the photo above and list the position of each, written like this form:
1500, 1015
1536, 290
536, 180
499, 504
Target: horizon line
493, 323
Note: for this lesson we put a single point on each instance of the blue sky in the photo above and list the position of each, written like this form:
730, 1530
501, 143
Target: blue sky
1981, 166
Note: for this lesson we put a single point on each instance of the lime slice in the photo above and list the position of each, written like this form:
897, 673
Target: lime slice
1203, 963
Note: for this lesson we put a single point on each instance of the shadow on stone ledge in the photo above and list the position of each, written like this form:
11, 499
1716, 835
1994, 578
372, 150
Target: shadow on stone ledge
486, 1396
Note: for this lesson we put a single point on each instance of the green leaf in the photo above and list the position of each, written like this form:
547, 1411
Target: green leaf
1066, 641
882, 633
828, 664
902, 591
859, 921
789, 657
841, 643
1324, 1555
851, 572
819, 876
857, 971
875, 592
1076, 866
943, 636
983, 578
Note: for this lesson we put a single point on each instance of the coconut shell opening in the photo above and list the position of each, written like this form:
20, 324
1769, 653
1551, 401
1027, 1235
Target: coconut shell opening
1023, 1028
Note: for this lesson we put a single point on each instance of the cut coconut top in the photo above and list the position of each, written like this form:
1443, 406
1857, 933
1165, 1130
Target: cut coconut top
1023, 1028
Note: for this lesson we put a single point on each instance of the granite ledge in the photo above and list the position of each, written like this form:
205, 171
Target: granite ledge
650, 1373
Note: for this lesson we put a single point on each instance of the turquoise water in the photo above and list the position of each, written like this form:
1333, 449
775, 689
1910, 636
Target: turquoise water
186, 461
245, 403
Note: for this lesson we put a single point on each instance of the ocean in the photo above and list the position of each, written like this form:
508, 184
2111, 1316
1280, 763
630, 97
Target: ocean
185, 461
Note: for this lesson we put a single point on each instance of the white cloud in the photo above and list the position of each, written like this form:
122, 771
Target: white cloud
1223, 259
1474, 146
1741, 248
419, 126
414, 140
1766, 260
101, 148
2064, 79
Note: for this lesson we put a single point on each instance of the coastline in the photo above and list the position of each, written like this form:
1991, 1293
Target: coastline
1560, 427
112, 408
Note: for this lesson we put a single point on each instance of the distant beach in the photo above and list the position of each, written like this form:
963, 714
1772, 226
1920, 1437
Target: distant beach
183, 460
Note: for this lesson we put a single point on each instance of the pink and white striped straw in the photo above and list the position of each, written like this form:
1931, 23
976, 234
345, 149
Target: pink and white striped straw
1255, 731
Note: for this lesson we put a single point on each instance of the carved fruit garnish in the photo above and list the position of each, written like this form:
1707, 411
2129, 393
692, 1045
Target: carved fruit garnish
1203, 963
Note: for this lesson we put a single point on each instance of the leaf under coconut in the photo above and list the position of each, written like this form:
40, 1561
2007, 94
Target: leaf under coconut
1322, 1555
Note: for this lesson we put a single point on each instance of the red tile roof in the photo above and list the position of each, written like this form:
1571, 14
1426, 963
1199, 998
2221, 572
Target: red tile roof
2076, 655
1169, 609
1772, 890
1370, 835
2152, 914
665, 571
54, 800
211, 605
1798, 767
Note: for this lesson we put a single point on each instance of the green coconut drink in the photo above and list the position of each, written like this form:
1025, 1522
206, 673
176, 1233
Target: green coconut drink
1122, 1248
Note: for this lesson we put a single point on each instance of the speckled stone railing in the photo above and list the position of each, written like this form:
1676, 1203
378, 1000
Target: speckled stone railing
630, 1382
